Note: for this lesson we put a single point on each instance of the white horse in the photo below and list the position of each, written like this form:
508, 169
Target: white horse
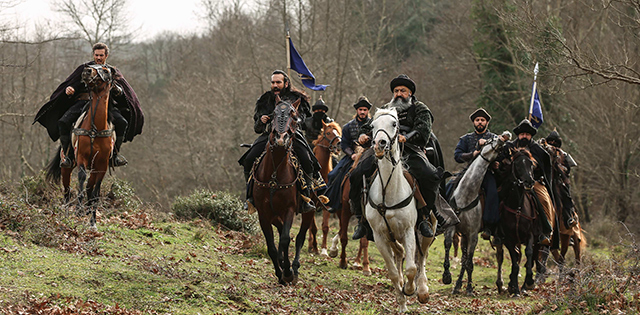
391, 212
465, 202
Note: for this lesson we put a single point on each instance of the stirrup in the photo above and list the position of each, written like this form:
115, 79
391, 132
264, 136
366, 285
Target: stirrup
486, 234
544, 240
572, 223
361, 230
119, 160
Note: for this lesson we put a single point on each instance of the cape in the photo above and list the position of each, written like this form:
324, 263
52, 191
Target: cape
59, 103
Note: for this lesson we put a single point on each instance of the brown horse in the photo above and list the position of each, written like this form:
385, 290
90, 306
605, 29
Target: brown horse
518, 221
328, 143
276, 195
345, 214
92, 140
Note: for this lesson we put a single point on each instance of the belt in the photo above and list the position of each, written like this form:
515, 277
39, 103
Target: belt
84, 97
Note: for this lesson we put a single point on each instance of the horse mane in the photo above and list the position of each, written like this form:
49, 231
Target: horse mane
385, 111
523, 151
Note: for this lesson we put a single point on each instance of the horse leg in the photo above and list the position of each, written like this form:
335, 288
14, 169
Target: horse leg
471, 245
499, 260
283, 247
565, 240
448, 240
514, 252
421, 278
66, 184
344, 237
392, 272
313, 237
307, 219
464, 240
529, 283
364, 249
333, 250
326, 216
456, 244
267, 231
577, 249
82, 177
95, 196
411, 269
541, 263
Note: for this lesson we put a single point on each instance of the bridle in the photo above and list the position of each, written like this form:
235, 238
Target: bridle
333, 142
392, 140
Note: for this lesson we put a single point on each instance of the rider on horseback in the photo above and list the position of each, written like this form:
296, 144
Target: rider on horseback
415, 125
542, 173
313, 124
349, 143
562, 167
468, 148
281, 86
68, 102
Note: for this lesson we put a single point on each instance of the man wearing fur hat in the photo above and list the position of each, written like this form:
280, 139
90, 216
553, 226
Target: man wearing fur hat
349, 144
542, 173
313, 125
468, 148
415, 120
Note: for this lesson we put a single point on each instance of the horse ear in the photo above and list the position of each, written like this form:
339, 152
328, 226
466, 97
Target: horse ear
296, 104
324, 124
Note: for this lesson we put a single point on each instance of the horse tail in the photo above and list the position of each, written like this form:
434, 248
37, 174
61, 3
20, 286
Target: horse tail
580, 235
53, 170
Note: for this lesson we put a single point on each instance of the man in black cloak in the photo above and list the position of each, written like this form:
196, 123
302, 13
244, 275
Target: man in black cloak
67, 103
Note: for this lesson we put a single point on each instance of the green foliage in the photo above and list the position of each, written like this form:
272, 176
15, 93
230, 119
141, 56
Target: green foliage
122, 195
219, 207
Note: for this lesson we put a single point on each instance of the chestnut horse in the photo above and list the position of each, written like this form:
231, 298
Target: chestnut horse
518, 221
276, 195
345, 214
92, 140
328, 143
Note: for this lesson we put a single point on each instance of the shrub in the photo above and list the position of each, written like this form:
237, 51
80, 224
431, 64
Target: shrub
219, 207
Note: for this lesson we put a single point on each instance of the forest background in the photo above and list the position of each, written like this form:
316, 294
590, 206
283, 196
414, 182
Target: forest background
198, 91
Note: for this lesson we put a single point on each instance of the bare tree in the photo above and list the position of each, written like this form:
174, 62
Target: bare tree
98, 20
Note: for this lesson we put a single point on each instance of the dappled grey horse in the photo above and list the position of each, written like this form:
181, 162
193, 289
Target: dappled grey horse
465, 202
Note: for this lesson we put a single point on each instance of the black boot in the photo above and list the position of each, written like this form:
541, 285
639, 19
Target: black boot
424, 225
361, 228
65, 141
117, 159
307, 203
486, 232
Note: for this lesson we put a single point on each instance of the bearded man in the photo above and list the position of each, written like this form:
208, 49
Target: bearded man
281, 86
415, 121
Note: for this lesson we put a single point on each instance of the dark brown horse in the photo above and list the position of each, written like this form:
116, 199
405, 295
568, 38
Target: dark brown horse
518, 221
328, 143
92, 140
276, 195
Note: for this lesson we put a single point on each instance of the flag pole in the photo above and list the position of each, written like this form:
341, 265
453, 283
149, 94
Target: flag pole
288, 56
533, 92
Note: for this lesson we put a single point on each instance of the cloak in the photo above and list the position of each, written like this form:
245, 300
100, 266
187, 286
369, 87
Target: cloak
59, 102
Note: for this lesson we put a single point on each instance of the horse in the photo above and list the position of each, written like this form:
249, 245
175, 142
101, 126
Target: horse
465, 201
93, 140
569, 236
518, 221
391, 212
344, 215
327, 143
276, 194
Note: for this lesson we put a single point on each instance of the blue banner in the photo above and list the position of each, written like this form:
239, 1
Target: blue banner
298, 65
536, 110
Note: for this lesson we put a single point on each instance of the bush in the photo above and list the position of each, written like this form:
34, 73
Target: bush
219, 207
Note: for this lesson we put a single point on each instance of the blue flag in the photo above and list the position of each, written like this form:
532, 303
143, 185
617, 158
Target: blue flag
536, 110
298, 65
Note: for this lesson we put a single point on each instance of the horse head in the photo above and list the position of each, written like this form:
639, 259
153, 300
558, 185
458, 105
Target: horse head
285, 121
385, 133
330, 137
492, 146
96, 77
522, 167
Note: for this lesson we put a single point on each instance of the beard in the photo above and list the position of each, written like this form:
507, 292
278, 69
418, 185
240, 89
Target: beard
480, 128
522, 143
400, 101
275, 89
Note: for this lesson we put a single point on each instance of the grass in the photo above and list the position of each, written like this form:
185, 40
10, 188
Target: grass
135, 265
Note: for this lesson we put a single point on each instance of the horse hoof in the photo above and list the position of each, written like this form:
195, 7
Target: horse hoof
446, 277
324, 253
294, 281
366, 271
333, 253
423, 298
408, 292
